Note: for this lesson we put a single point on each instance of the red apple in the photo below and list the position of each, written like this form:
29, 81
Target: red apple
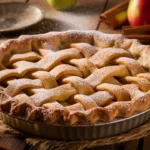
139, 12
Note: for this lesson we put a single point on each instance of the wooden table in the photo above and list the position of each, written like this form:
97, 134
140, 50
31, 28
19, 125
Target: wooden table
85, 16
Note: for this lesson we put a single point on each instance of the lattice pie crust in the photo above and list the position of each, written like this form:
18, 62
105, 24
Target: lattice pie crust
74, 77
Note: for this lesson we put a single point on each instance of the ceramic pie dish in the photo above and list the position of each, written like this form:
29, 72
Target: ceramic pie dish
12, 19
84, 84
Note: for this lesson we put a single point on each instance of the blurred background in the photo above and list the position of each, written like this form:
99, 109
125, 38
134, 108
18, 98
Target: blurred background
84, 16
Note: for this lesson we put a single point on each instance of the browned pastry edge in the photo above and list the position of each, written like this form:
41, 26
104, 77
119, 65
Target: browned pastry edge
56, 41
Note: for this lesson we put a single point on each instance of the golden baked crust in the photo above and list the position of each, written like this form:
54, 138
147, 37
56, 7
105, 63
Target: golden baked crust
74, 77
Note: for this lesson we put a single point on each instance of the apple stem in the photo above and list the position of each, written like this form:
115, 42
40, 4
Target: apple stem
26, 1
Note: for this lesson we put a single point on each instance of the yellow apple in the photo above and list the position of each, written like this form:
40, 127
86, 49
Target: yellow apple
62, 4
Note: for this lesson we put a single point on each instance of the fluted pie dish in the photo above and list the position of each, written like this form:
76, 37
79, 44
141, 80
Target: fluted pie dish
74, 78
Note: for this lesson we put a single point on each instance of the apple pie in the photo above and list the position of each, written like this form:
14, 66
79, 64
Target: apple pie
74, 77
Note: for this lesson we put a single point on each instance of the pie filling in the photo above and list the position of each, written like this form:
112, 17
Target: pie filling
74, 77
